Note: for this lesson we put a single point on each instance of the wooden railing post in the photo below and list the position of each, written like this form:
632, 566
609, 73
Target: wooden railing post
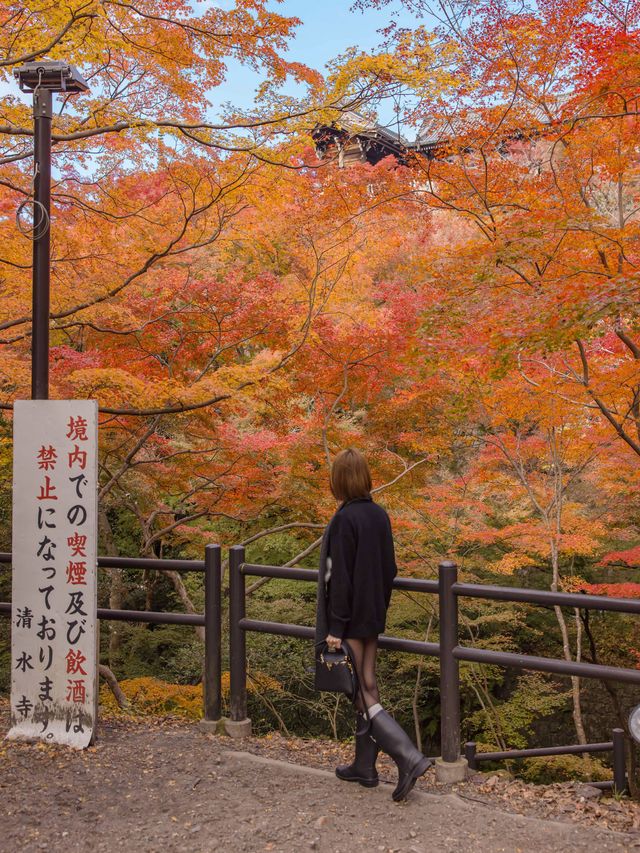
239, 725
619, 762
450, 767
212, 681
470, 754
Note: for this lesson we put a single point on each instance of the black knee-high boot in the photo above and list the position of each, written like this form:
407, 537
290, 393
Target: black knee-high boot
363, 769
393, 740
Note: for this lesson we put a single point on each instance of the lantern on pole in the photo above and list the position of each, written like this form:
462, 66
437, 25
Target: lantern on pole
43, 79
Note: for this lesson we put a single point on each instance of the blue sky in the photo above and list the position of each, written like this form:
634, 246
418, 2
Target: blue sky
328, 28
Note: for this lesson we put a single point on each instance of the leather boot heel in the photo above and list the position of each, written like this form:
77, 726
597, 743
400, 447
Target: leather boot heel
406, 783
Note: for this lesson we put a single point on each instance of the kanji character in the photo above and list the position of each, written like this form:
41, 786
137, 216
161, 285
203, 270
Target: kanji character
24, 662
25, 615
47, 458
75, 661
79, 456
76, 573
77, 429
76, 603
47, 491
76, 691
24, 707
78, 544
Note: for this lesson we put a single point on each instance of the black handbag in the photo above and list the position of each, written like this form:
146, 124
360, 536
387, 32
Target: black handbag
335, 671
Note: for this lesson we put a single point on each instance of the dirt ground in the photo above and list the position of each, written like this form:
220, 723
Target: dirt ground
165, 786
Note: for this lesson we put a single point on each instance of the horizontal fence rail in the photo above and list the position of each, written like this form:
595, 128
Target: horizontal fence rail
546, 598
151, 616
304, 632
140, 563
616, 746
539, 664
210, 620
311, 575
448, 650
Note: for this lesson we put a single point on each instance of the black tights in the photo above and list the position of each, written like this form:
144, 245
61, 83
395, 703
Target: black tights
364, 651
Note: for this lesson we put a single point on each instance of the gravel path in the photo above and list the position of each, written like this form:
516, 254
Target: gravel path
171, 788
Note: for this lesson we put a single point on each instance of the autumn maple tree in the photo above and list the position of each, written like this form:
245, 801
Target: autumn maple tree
242, 309
526, 161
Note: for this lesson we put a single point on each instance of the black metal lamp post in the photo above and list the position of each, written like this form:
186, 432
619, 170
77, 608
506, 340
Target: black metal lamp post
43, 78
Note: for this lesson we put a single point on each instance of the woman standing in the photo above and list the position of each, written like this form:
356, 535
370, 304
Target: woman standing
357, 568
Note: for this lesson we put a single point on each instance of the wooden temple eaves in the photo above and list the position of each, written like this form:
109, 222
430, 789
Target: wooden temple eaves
356, 140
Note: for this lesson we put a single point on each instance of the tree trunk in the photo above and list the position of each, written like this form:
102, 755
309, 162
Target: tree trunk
149, 579
184, 598
416, 691
117, 588
566, 650
575, 681
115, 688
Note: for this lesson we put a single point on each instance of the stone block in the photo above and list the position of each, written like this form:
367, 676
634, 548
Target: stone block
238, 728
450, 772
213, 727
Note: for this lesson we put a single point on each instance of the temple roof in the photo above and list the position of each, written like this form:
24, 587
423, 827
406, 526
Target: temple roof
360, 138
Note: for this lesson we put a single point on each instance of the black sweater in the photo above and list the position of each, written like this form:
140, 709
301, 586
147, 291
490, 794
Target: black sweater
363, 567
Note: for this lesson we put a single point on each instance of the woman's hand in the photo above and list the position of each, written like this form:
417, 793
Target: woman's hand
334, 643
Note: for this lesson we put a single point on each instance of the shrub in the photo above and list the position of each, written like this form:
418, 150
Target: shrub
548, 769
151, 697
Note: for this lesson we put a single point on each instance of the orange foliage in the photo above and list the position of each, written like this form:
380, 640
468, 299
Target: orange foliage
470, 319
614, 590
631, 557
154, 698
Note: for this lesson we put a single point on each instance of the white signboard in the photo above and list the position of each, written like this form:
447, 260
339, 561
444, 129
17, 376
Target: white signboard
54, 599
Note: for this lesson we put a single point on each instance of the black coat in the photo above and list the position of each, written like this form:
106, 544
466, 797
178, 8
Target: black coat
359, 541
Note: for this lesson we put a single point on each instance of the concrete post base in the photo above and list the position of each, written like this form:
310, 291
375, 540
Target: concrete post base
213, 727
238, 728
449, 772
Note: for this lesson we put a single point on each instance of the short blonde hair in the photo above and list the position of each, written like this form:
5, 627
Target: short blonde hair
350, 476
